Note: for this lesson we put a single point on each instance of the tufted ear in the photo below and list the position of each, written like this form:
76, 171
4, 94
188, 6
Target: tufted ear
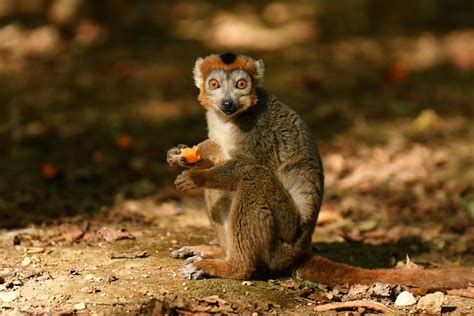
260, 70
197, 73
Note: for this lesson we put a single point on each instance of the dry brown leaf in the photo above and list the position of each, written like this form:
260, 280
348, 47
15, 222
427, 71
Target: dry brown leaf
69, 233
110, 234
467, 292
130, 255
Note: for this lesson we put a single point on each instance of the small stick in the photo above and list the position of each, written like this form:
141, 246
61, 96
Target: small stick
354, 304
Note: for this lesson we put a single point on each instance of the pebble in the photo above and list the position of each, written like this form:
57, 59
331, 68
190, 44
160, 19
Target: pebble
80, 306
431, 303
26, 261
7, 297
405, 299
89, 277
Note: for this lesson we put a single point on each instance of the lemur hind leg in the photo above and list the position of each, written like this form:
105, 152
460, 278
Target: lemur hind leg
256, 229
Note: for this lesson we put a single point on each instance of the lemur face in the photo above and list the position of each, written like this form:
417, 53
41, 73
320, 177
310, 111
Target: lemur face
229, 91
227, 82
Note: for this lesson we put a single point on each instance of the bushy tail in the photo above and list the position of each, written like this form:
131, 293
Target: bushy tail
322, 270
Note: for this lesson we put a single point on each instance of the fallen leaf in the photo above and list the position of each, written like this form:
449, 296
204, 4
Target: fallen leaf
124, 141
130, 255
49, 171
214, 299
291, 284
426, 119
69, 233
109, 234
111, 278
467, 292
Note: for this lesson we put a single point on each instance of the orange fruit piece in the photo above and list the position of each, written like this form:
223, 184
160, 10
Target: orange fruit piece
191, 154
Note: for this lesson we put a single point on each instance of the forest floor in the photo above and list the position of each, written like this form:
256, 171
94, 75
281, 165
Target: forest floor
88, 215
118, 260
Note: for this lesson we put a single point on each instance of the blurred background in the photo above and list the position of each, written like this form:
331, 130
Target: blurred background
93, 93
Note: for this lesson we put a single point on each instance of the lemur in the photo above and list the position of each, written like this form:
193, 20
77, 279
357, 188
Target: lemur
263, 181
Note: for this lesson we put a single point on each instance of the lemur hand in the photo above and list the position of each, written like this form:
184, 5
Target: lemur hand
174, 157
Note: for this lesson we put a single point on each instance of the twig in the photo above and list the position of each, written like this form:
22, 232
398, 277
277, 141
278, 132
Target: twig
354, 304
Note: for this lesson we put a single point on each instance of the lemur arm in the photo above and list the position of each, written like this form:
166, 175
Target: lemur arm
223, 176
210, 155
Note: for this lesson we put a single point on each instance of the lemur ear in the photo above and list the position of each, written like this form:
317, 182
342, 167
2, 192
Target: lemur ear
197, 73
260, 71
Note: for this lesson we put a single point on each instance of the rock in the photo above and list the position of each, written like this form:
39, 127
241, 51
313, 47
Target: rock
80, 306
405, 299
431, 303
7, 297
89, 277
26, 261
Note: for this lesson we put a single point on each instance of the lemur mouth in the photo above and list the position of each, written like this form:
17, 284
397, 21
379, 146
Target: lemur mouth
228, 112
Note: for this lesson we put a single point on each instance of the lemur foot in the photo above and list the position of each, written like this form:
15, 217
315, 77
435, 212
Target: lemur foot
204, 251
190, 271
193, 259
184, 252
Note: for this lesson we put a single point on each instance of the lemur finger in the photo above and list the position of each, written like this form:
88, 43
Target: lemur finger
182, 161
193, 259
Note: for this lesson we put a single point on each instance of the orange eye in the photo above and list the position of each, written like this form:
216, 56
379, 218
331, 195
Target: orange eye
214, 84
241, 84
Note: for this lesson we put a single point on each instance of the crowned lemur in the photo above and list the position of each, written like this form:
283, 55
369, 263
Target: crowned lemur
263, 181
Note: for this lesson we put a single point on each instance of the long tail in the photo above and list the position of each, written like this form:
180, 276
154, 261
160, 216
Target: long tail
322, 270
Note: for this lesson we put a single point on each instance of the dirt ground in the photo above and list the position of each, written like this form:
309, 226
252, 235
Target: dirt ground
118, 260
88, 215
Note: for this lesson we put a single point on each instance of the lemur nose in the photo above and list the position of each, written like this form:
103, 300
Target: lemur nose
227, 104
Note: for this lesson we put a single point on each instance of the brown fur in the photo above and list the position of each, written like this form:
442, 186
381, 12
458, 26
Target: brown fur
263, 181
325, 271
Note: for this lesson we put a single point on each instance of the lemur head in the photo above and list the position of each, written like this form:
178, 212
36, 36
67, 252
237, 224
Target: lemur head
227, 82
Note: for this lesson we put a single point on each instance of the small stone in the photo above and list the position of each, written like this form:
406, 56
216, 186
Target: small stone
247, 283
80, 306
89, 277
431, 303
405, 299
26, 261
8, 297
111, 278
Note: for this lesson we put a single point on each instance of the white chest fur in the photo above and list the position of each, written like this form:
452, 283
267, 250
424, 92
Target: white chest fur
221, 132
